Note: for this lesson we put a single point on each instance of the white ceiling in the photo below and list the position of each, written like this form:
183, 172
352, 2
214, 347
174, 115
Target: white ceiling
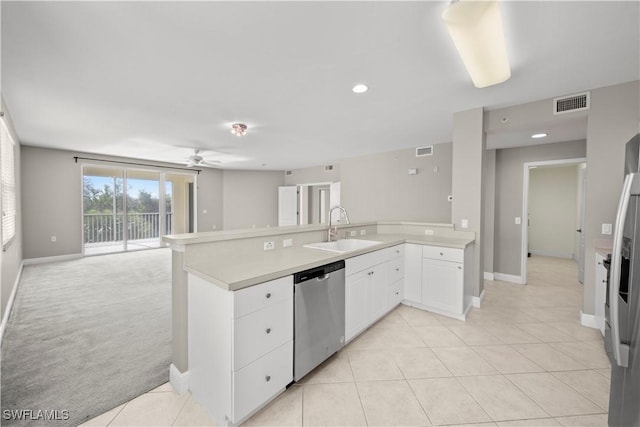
152, 80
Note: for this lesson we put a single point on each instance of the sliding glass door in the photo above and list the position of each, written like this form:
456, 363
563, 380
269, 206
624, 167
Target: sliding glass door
131, 209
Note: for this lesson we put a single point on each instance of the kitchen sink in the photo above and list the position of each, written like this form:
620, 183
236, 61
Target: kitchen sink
343, 245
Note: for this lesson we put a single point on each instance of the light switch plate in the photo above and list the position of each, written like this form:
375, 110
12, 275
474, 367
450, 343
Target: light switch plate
353, 233
363, 232
464, 223
428, 232
287, 242
606, 229
518, 220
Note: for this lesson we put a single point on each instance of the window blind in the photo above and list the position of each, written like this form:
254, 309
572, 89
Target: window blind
7, 185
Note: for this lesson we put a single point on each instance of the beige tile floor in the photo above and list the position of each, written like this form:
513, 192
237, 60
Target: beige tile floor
523, 359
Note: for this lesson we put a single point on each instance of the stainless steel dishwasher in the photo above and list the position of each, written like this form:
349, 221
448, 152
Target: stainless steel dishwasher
318, 316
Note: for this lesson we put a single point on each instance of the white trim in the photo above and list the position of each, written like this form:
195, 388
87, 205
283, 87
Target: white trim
524, 250
42, 260
511, 278
489, 276
476, 301
9, 307
554, 254
178, 380
589, 320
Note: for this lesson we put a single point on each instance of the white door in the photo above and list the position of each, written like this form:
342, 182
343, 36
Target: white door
287, 205
442, 283
334, 200
582, 182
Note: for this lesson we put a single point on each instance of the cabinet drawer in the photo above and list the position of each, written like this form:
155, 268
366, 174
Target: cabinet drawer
254, 298
366, 261
258, 382
445, 254
396, 269
396, 294
262, 331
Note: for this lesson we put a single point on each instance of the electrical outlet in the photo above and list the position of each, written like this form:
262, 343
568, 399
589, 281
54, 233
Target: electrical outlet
428, 232
464, 223
269, 246
606, 228
363, 232
353, 233
53, 239
286, 243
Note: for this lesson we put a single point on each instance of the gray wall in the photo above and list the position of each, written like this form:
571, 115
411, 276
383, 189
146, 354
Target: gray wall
553, 200
509, 175
489, 182
11, 258
250, 198
614, 118
379, 187
469, 149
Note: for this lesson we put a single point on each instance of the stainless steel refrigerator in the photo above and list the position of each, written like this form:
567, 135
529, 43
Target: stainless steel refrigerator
622, 309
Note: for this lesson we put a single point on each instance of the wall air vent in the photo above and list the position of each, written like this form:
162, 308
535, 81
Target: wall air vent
328, 168
288, 172
569, 104
424, 151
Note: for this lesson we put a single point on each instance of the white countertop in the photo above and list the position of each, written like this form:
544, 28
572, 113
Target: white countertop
233, 274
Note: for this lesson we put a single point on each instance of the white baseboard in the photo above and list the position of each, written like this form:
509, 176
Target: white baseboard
476, 301
12, 297
508, 278
589, 320
489, 276
554, 254
178, 380
42, 260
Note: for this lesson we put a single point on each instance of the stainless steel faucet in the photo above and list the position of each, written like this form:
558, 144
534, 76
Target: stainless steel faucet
333, 231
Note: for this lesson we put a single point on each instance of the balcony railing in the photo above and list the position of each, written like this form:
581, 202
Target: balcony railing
100, 228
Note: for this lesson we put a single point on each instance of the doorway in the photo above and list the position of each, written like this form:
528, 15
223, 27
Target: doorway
127, 209
553, 211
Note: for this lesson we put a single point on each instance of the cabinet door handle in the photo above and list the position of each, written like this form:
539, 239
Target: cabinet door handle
267, 378
397, 269
441, 254
268, 330
459, 268
268, 295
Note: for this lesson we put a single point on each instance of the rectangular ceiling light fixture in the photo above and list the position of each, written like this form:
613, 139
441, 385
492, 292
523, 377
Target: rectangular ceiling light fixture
476, 29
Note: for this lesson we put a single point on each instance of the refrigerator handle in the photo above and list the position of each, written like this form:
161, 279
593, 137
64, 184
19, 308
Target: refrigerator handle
631, 186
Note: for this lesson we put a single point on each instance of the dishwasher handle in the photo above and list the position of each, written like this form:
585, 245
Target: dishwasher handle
323, 277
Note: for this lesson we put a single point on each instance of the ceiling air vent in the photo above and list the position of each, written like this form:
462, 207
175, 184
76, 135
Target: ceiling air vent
288, 172
569, 104
328, 168
424, 151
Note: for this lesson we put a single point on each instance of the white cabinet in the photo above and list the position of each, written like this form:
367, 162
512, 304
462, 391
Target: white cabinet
600, 291
373, 286
240, 346
442, 285
413, 273
438, 279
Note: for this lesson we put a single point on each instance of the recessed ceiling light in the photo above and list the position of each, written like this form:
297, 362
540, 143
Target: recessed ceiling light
538, 135
239, 129
360, 88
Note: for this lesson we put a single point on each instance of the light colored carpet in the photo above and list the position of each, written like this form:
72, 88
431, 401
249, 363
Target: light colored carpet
88, 335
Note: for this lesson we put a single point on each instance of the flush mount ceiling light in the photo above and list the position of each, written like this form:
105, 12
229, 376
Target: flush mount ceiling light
538, 135
239, 129
476, 29
360, 88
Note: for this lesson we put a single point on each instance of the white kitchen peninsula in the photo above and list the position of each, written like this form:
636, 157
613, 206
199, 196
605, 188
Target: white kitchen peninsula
236, 354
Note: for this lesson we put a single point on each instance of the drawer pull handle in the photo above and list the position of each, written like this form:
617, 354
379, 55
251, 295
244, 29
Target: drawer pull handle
397, 269
268, 295
459, 268
268, 330
441, 254
267, 378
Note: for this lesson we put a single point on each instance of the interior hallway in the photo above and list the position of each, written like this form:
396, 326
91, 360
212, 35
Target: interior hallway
523, 359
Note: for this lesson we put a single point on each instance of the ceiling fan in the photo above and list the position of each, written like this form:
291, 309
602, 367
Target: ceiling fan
197, 160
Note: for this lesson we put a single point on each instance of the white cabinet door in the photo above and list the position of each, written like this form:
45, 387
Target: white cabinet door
442, 285
378, 284
357, 303
413, 272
